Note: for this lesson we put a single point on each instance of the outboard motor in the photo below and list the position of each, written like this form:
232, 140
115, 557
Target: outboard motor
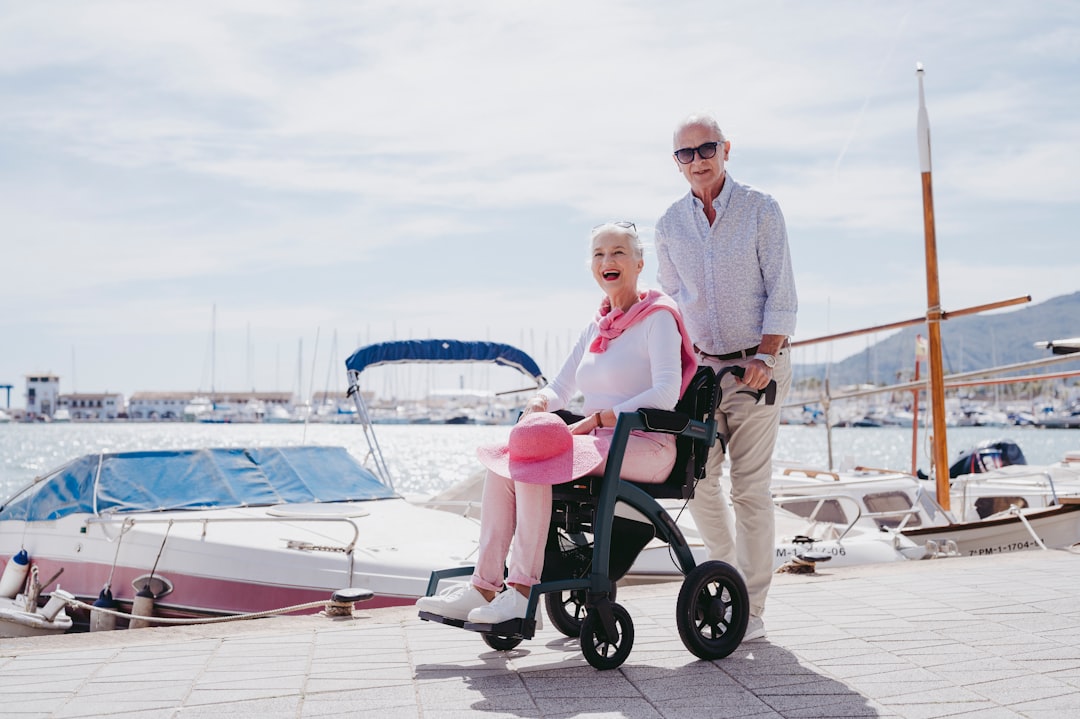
986, 456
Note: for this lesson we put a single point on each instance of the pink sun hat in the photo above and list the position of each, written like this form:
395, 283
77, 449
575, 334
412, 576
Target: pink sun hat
542, 450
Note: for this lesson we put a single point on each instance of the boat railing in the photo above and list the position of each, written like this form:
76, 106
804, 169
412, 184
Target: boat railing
127, 523
901, 516
822, 499
1038, 482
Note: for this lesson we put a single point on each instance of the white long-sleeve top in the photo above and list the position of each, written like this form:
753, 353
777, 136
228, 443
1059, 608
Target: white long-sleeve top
642, 367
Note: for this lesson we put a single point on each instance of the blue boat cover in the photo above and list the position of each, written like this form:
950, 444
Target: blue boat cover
196, 479
443, 351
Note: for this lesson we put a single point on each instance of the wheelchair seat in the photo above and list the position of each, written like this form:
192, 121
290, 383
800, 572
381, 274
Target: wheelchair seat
692, 451
574, 503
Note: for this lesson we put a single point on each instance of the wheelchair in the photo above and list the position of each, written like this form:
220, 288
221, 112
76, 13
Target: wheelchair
589, 547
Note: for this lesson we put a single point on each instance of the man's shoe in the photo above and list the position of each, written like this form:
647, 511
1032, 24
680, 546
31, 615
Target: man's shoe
507, 605
453, 603
755, 629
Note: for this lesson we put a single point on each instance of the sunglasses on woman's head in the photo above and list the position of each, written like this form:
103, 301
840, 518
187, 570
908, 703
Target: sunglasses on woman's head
622, 223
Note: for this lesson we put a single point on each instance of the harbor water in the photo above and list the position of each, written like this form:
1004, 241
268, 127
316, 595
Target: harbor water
426, 458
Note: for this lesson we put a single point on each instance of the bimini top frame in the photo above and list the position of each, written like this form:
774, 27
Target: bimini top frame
426, 351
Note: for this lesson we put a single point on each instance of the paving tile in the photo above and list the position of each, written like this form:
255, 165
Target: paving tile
254, 709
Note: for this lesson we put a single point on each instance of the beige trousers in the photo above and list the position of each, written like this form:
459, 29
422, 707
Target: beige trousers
748, 540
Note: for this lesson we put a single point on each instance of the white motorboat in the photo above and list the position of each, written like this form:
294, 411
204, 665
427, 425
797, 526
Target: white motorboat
1010, 509
240, 531
870, 516
22, 618
20, 615
229, 531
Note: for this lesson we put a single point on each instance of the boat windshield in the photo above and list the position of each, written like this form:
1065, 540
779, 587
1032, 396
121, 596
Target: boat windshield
196, 479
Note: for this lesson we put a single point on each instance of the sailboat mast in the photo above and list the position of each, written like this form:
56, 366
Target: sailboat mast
933, 306
213, 349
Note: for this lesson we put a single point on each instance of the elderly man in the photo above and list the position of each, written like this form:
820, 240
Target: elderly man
723, 256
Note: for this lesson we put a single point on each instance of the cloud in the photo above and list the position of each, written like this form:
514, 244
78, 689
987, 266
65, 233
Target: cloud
436, 166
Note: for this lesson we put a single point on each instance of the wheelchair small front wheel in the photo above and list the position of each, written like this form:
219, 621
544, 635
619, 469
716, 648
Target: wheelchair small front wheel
713, 610
566, 610
600, 650
500, 643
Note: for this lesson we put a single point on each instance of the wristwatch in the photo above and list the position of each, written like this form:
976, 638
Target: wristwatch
769, 360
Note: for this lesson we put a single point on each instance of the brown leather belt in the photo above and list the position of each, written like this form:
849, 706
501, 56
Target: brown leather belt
748, 352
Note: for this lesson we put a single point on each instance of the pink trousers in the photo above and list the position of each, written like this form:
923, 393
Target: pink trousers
520, 512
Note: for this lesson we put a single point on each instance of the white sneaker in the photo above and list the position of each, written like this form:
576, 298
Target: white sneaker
453, 602
755, 629
507, 605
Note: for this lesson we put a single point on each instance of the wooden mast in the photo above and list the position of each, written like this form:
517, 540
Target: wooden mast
933, 306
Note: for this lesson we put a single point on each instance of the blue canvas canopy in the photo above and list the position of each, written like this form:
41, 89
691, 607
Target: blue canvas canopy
443, 351
196, 479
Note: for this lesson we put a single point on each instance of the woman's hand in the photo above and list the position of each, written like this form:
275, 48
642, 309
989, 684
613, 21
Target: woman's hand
592, 422
538, 403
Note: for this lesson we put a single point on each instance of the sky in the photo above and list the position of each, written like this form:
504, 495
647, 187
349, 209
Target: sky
235, 195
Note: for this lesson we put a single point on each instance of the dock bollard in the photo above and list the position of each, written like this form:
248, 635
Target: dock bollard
342, 601
103, 621
57, 601
142, 606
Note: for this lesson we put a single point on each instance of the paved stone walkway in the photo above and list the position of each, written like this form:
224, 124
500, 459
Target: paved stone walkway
991, 637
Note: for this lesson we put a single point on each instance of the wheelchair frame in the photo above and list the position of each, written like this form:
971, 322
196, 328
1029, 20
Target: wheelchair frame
713, 606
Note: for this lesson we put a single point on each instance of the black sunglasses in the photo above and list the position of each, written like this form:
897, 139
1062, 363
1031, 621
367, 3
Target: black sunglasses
706, 151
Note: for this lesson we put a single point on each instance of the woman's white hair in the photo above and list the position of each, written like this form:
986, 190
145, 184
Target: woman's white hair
622, 228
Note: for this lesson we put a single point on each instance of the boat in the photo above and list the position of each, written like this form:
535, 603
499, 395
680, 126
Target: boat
1008, 509
200, 407
871, 516
1012, 530
226, 531
20, 615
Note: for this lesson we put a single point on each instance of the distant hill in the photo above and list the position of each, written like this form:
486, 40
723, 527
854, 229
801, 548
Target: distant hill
968, 343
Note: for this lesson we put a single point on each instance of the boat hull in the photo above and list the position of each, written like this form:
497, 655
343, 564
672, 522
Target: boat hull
1055, 527
248, 560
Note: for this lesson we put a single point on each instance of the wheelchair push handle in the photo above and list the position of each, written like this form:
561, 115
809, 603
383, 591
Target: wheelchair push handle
769, 392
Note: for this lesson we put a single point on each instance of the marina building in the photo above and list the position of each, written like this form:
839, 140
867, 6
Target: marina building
103, 406
42, 393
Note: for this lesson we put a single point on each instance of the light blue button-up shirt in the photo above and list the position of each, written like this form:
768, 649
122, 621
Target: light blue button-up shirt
733, 280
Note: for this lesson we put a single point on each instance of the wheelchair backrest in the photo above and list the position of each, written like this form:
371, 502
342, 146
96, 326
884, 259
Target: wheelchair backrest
698, 402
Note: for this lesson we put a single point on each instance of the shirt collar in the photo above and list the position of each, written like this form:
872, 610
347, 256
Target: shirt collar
720, 202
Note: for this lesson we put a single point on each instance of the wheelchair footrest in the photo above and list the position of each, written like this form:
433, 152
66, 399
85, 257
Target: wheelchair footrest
440, 619
524, 628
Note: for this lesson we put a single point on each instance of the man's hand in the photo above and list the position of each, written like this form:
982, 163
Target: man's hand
758, 374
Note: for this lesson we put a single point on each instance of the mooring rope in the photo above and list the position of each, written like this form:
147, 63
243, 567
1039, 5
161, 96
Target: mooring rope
204, 620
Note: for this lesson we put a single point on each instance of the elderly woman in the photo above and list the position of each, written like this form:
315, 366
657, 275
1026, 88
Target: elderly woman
635, 354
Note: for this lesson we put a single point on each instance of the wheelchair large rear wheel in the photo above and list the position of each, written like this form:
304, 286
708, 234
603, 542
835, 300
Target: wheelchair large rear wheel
712, 610
566, 610
600, 650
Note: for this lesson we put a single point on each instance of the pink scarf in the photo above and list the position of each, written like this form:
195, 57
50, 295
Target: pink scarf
613, 323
